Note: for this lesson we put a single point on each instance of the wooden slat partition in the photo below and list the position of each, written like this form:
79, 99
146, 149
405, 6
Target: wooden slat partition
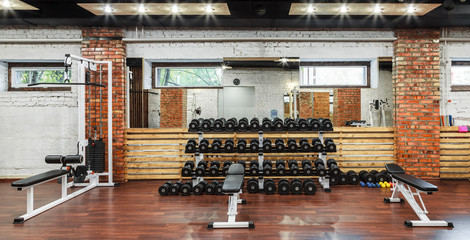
159, 153
454, 153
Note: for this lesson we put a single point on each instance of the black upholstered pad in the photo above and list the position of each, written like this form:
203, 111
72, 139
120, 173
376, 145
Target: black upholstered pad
232, 183
26, 182
394, 168
415, 182
236, 169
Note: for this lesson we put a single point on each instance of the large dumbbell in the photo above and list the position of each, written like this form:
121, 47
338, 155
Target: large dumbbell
280, 167
187, 188
211, 188
307, 167
343, 178
314, 124
175, 188
330, 146
243, 124
379, 177
334, 180
231, 124
387, 175
229, 146
216, 146
267, 145
254, 124
333, 166
317, 145
302, 124
269, 186
226, 167
219, 124
320, 167
200, 188
296, 186
366, 176
327, 125
241, 146
207, 125
164, 189
218, 189
294, 168
309, 187
267, 167
190, 146
283, 186
267, 125
291, 145
289, 124
353, 178
279, 145
278, 124
254, 145
214, 168
254, 168
252, 185
201, 168
204, 146
187, 169
194, 125
304, 145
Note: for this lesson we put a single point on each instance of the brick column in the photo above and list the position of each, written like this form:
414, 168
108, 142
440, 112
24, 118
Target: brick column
416, 100
346, 105
306, 105
321, 105
173, 108
106, 44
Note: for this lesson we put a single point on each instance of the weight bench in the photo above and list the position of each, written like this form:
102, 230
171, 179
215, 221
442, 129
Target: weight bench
233, 185
403, 183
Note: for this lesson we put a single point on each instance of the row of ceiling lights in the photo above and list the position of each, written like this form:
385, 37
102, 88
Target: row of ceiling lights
141, 8
377, 9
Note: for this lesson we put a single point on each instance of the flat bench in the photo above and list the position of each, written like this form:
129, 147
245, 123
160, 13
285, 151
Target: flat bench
40, 178
402, 184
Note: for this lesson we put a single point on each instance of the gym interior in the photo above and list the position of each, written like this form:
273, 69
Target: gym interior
234, 119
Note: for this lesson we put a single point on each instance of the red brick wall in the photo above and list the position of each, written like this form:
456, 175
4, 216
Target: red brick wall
416, 91
306, 105
114, 50
346, 106
321, 105
172, 108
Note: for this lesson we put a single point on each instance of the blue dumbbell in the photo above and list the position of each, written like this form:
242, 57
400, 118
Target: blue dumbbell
362, 184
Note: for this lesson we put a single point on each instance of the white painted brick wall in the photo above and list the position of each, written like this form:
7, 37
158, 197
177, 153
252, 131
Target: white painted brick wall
23, 32
207, 99
154, 108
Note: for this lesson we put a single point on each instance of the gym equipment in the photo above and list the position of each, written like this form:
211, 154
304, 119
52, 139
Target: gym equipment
194, 125
254, 145
79, 173
291, 145
210, 188
164, 189
207, 125
280, 167
267, 124
307, 167
317, 146
333, 166
204, 146
379, 177
233, 187
353, 178
290, 124
343, 178
404, 184
278, 124
330, 146
387, 175
219, 124
242, 162
279, 145
366, 177
362, 184
304, 145
327, 125
187, 188
334, 180
302, 124
229, 146
283, 186
254, 168
252, 185
314, 124
175, 188
231, 124
267, 145
216, 146
199, 188
294, 168
241, 146
296, 186
218, 189
187, 170
309, 187
190, 146
201, 168
226, 167
267, 167
320, 167
254, 124
243, 124
214, 168
269, 186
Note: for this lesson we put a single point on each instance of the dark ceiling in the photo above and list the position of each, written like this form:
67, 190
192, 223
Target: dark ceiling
244, 14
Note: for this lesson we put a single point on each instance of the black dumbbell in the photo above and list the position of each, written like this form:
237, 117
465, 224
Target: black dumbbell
267, 145
379, 177
283, 187
296, 186
243, 124
254, 168
201, 168
187, 188
280, 167
302, 124
294, 168
343, 178
229, 146
267, 167
226, 167
214, 168
254, 145
218, 189
317, 145
314, 124
334, 180
252, 185
291, 145
216, 146
330, 146
210, 188
327, 125
307, 167
254, 124
387, 175
309, 187
204, 146
366, 176
279, 145
320, 167
194, 125
190, 146
219, 124
278, 124
353, 178
231, 124
304, 145
333, 166
269, 186
165, 188
175, 188
267, 124
241, 146
289, 124
207, 125
187, 170
199, 188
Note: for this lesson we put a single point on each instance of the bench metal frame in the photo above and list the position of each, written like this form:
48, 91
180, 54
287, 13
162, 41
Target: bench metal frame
232, 212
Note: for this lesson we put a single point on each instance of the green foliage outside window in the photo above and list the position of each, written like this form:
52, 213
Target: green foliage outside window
39, 76
188, 77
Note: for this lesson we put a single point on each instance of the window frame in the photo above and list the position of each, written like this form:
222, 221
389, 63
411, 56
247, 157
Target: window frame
365, 64
459, 88
33, 65
156, 65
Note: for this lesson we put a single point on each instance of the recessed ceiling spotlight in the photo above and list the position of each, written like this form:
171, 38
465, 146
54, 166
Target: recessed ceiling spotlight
411, 9
310, 9
6, 3
343, 9
284, 60
108, 9
141, 8
209, 8
174, 9
377, 9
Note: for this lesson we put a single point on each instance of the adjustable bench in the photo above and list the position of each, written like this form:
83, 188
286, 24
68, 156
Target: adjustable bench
403, 183
233, 185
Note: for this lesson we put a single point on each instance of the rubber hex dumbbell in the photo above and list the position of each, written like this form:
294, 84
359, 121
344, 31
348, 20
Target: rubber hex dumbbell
291, 145
175, 188
327, 125
254, 145
241, 146
254, 124
229, 146
304, 145
210, 188
302, 124
333, 166
226, 167
309, 187
190, 146
187, 188
314, 124
218, 189
280, 167
254, 168
317, 145
334, 180
267, 145
289, 124
307, 167
267, 124
267, 167
214, 168
379, 177
252, 185
366, 176
283, 187
269, 186
330, 146
219, 124
279, 145
199, 188
278, 124
201, 168
207, 125
231, 124
216, 146
194, 125
165, 188
387, 175
294, 168
320, 167
343, 178
353, 178
204, 146
243, 124
187, 169
296, 186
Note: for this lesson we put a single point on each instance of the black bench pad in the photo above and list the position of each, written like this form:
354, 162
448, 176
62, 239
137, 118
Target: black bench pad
26, 182
232, 184
394, 168
236, 169
415, 182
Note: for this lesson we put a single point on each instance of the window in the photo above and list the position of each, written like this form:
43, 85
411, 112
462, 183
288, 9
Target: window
188, 75
460, 79
335, 74
22, 74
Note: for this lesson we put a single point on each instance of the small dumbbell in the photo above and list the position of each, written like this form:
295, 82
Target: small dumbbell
216, 146
194, 125
317, 146
243, 124
304, 145
279, 145
252, 185
267, 124
190, 146
289, 124
314, 124
278, 124
207, 125
254, 124
254, 168
269, 186
280, 167
291, 145
231, 124
199, 188
165, 188
241, 146
219, 124
267, 145
201, 168
187, 170
333, 166
296, 186
229, 146
293, 167
214, 168
204, 146
327, 125
307, 167
267, 167
302, 124
353, 178
320, 167
330, 146
309, 187
175, 188
254, 145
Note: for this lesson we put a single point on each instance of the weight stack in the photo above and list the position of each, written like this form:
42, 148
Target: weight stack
95, 155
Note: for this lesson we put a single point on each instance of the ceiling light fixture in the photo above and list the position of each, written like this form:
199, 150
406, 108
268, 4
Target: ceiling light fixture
6, 3
411, 9
310, 9
175, 9
284, 60
343, 9
377, 9
141, 8
108, 9
209, 8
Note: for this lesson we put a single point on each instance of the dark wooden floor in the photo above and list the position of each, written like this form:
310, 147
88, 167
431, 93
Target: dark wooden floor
136, 211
